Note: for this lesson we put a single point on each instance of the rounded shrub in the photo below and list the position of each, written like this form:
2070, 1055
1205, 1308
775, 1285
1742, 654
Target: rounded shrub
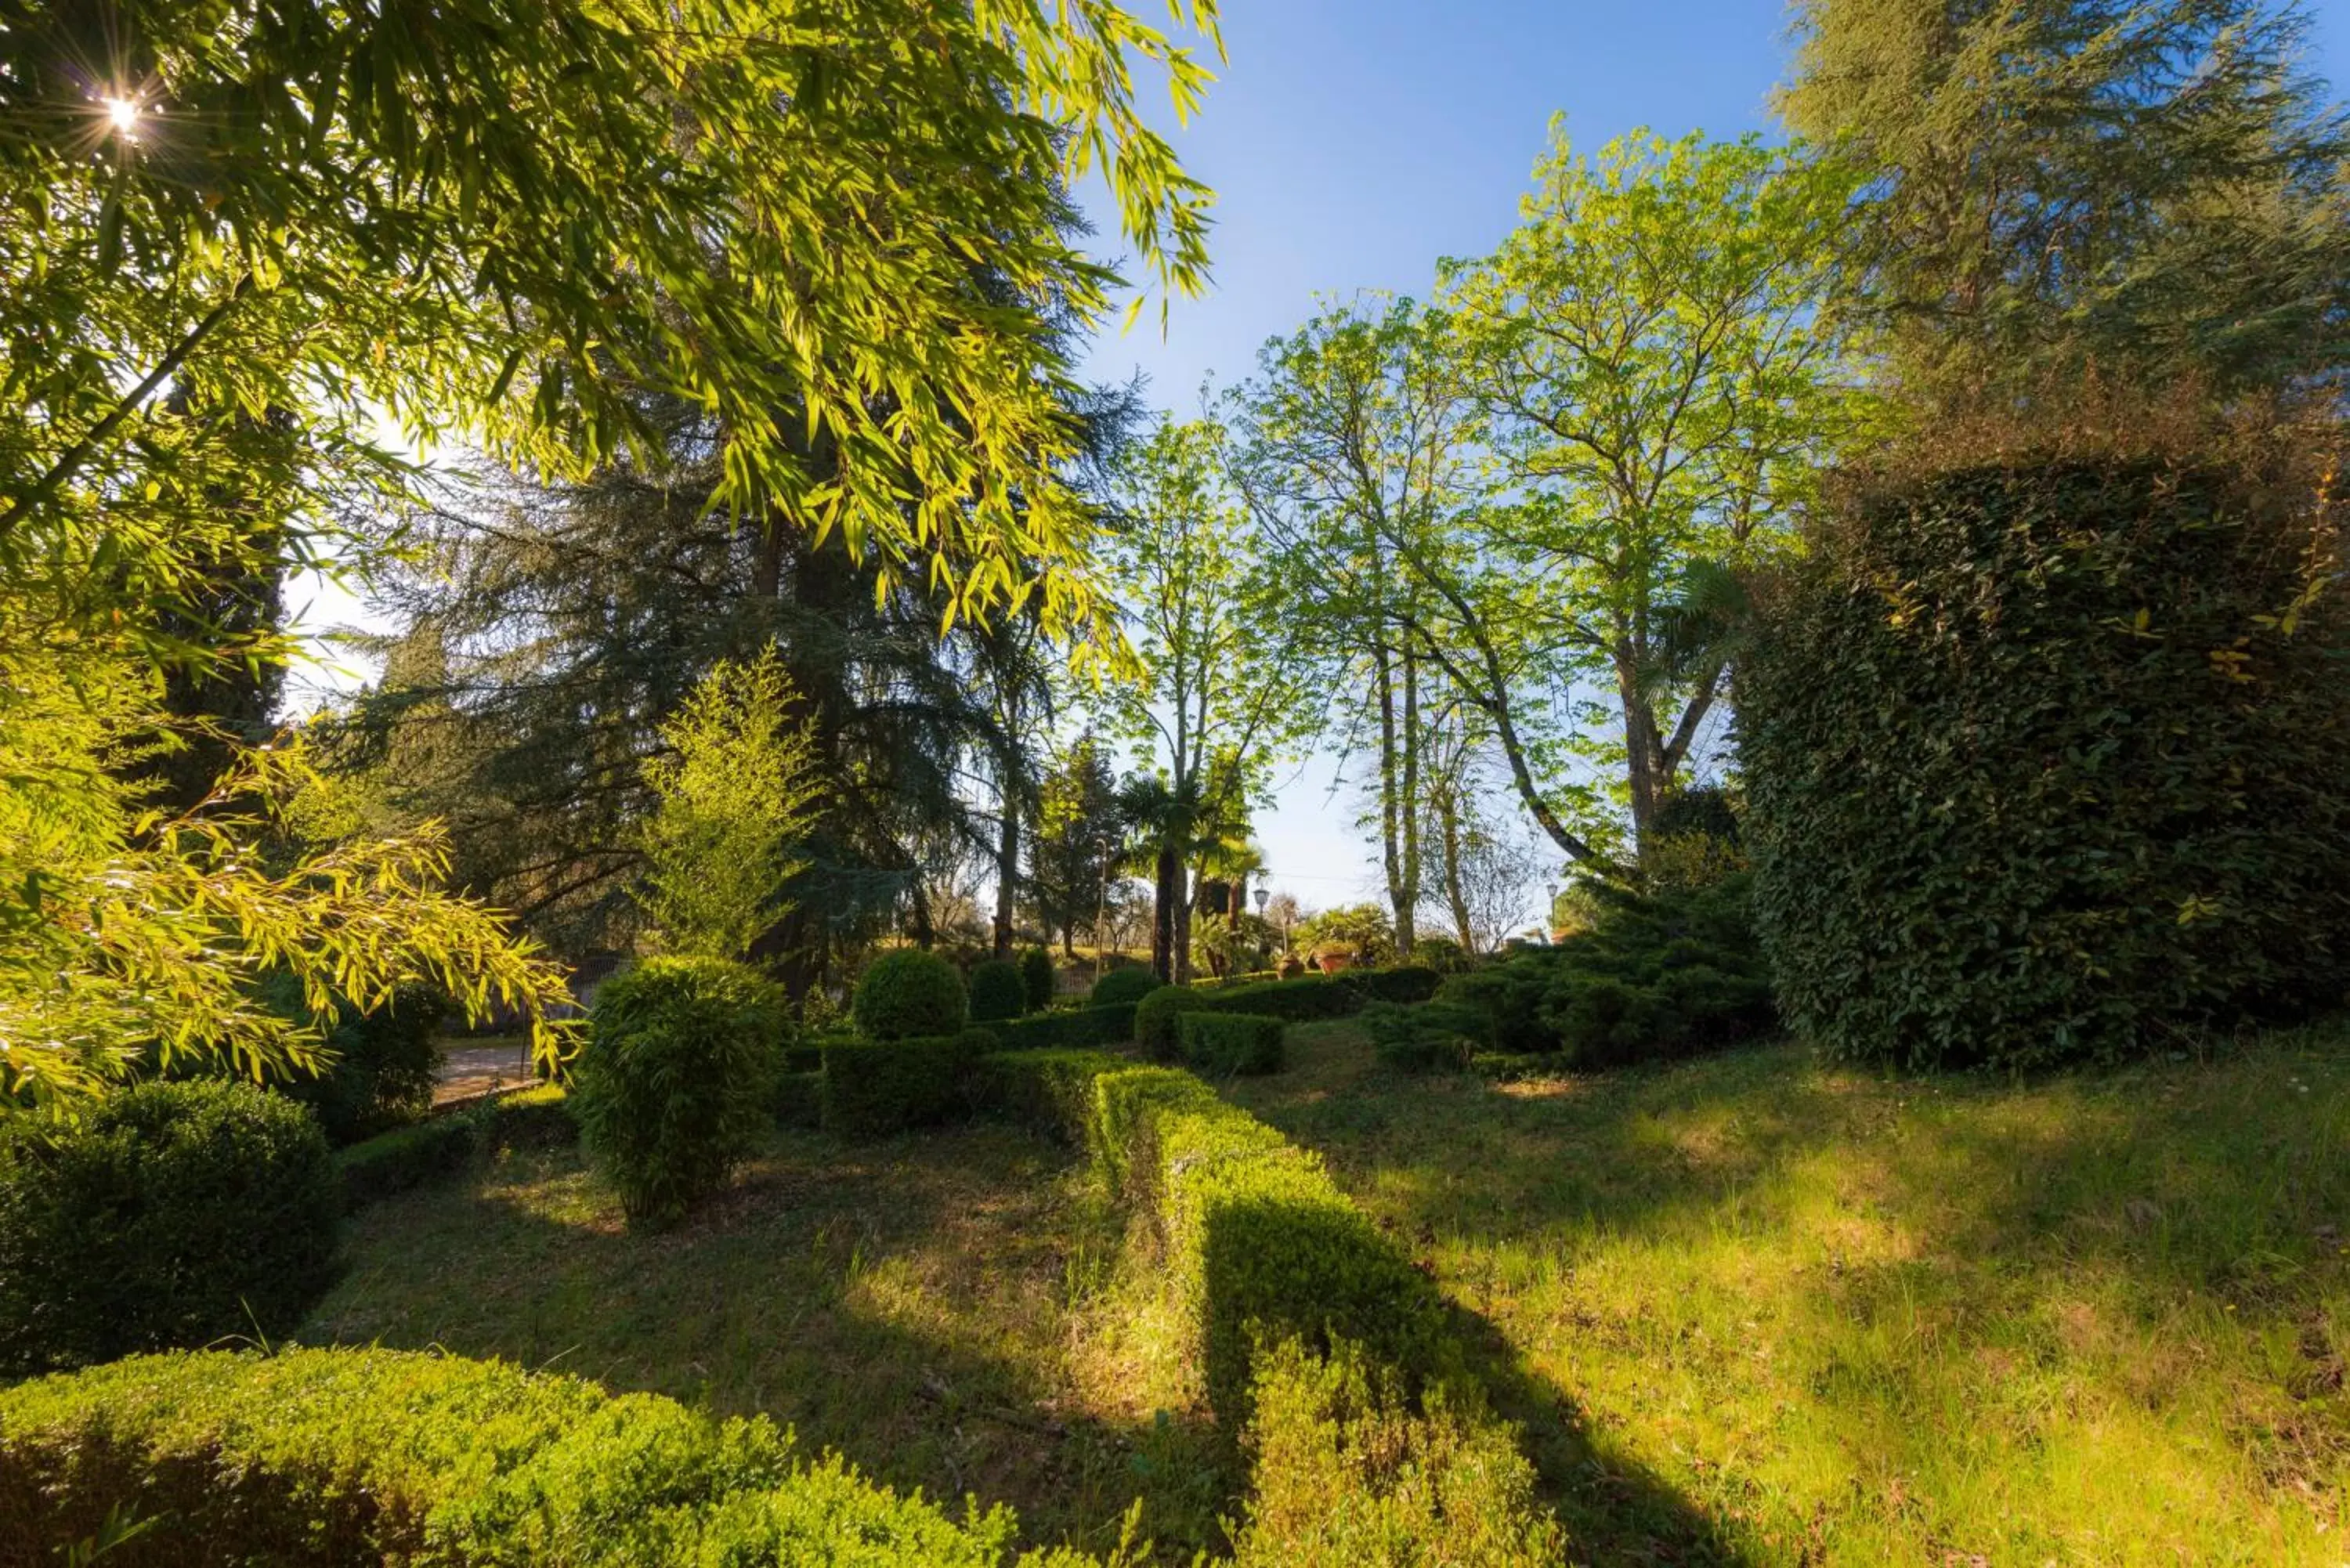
170, 1214
676, 1085
997, 992
909, 994
2046, 758
1036, 977
1121, 986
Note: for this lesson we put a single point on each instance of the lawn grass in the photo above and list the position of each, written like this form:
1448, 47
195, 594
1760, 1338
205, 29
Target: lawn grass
946, 1309
1761, 1311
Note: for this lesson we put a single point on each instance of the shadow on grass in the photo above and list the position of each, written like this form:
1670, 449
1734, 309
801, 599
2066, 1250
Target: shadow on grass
2073, 1221
910, 1304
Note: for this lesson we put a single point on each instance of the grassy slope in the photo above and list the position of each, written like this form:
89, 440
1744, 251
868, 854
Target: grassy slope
1770, 1312
940, 1309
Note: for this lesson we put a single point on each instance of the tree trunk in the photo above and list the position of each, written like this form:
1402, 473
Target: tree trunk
1166, 895
1449, 824
1007, 873
1644, 746
1407, 901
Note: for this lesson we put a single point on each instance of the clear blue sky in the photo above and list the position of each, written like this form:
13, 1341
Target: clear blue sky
1352, 142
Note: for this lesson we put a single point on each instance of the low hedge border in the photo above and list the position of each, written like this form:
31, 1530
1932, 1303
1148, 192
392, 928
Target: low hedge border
426, 1151
1226, 1044
1329, 1353
1306, 1000
873, 1088
1076, 1029
348, 1456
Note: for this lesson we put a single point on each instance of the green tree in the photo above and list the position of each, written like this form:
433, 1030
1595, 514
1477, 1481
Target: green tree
1080, 839
739, 790
236, 235
2146, 186
1356, 451
1646, 353
1215, 689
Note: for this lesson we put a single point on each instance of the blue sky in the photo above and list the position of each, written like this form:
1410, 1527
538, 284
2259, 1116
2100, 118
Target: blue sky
1352, 142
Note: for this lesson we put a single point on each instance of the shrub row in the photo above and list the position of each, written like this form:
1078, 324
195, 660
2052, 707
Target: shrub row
375, 1455
1323, 1347
1130, 984
411, 1156
873, 1088
1301, 1000
1098, 1025
1229, 1042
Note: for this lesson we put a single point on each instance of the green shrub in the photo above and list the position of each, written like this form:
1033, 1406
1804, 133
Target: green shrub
1655, 976
1350, 1474
1225, 1044
799, 1099
1432, 1037
1156, 1021
910, 992
1129, 984
2045, 761
997, 992
675, 1086
384, 1062
377, 1456
1036, 977
170, 1214
873, 1088
1049, 1090
1111, 1025
1405, 983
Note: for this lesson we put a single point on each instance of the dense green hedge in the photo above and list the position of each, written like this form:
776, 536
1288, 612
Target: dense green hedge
1301, 1000
1110, 1025
1402, 983
1224, 1043
873, 1088
909, 994
675, 1087
1158, 1021
168, 1214
410, 1157
336, 1457
1127, 985
2044, 761
997, 992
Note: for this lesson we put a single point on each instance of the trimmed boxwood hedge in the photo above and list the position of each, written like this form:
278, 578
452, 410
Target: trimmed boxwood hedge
1111, 1025
873, 1088
2048, 760
909, 994
1227, 1042
376, 1456
168, 1214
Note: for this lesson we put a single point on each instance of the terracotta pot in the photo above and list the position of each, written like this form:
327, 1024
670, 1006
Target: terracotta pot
1333, 962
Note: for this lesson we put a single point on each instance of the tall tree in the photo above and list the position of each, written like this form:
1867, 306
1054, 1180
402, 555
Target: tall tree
1216, 691
2148, 186
1356, 451
1657, 389
1080, 839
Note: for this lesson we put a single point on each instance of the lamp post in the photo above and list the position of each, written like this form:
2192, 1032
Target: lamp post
1264, 895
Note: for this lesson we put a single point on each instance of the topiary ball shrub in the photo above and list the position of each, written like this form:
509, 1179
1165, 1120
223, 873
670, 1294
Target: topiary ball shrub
997, 992
1158, 1021
1036, 977
2046, 760
675, 1087
1122, 986
910, 994
170, 1214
